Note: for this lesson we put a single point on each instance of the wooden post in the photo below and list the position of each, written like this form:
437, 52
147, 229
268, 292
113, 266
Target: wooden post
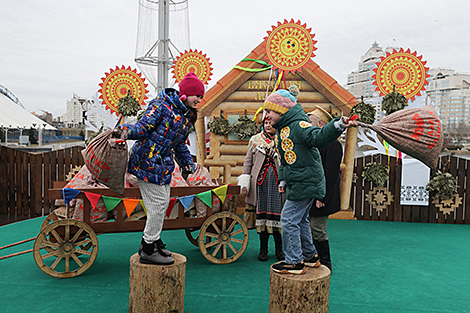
348, 168
309, 292
157, 288
200, 140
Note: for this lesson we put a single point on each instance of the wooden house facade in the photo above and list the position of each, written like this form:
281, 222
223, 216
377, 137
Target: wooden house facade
242, 91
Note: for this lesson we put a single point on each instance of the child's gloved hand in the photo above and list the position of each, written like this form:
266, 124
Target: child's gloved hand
119, 133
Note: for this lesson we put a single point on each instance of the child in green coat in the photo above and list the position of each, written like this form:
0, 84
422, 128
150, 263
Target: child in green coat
301, 174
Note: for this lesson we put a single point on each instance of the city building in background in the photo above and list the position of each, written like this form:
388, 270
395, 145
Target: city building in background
450, 92
75, 114
359, 82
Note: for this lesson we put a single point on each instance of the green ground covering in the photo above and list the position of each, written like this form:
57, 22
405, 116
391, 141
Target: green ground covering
378, 267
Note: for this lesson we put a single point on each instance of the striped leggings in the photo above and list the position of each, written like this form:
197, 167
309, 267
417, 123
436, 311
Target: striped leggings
156, 199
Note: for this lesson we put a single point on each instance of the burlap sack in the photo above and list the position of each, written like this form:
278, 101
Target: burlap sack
106, 159
416, 132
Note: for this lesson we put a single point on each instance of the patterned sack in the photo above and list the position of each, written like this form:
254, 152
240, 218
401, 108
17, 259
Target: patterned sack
177, 180
416, 132
106, 159
82, 180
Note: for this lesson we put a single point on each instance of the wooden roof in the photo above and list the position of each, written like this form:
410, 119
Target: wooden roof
311, 73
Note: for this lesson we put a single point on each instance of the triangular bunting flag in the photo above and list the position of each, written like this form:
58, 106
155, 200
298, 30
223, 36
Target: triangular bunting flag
68, 194
186, 201
93, 197
206, 197
143, 206
130, 205
170, 206
221, 192
110, 202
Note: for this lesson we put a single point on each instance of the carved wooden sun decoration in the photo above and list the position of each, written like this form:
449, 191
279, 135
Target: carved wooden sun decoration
449, 205
117, 82
404, 70
289, 46
380, 198
192, 61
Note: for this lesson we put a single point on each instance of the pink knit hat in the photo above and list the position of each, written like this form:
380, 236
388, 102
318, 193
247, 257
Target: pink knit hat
191, 85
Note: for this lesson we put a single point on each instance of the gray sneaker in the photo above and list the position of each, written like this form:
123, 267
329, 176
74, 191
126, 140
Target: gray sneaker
155, 258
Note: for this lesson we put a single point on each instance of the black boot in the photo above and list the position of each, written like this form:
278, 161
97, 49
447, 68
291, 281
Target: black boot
278, 242
151, 254
263, 250
323, 249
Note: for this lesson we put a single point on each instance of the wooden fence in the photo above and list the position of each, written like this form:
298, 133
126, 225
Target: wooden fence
363, 210
25, 176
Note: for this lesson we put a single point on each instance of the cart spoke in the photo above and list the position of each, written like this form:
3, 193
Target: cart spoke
231, 247
67, 232
79, 232
215, 227
56, 262
80, 251
224, 251
236, 240
211, 244
48, 255
232, 226
216, 250
237, 232
67, 264
49, 244
56, 236
80, 264
212, 235
224, 223
83, 242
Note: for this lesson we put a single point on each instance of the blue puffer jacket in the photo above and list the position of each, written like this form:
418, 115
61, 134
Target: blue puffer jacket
162, 130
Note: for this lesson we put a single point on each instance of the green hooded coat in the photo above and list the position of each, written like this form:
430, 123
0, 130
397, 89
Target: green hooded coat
301, 165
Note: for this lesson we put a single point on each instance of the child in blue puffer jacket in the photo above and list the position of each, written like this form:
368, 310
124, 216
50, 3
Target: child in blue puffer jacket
161, 134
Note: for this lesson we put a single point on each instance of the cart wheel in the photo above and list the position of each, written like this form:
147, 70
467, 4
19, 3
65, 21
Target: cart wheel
59, 248
230, 236
192, 235
49, 219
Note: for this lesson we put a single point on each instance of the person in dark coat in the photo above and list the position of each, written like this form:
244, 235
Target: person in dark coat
331, 156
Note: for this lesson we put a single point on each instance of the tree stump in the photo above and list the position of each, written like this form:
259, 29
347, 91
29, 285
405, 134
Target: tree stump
157, 288
309, 292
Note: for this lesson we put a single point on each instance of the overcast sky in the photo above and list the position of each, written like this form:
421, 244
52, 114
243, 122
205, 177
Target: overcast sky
51, 49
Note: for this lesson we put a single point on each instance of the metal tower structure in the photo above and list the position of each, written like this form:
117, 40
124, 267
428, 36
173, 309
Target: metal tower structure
156, 51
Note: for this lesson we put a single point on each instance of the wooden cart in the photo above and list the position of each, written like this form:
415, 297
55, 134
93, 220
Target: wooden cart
66, 248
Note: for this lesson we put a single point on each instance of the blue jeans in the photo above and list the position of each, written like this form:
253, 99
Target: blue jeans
296, 234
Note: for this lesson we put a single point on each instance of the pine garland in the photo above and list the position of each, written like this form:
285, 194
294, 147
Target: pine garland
219, 126
443, 184
375, 173
393, 102
245, 127
128, 106
365, 112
